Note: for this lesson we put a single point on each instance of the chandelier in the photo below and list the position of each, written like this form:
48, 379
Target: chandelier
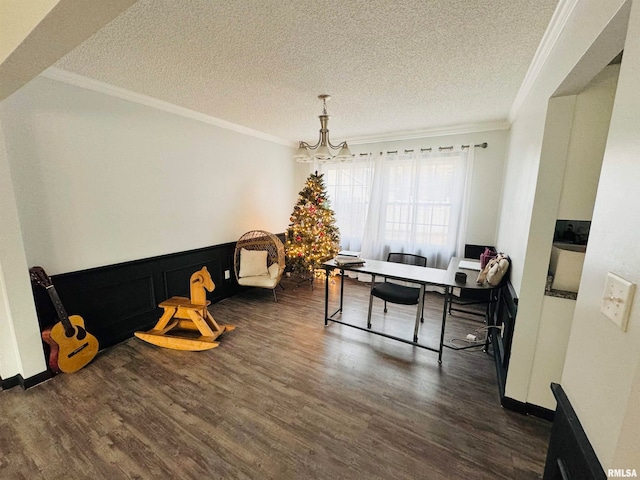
322, 151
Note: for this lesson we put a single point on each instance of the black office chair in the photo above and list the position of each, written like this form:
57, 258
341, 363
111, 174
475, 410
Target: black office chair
470, 297
393, 292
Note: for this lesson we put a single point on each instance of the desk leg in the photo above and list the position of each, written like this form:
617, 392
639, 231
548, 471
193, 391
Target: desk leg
341, 288
373, 283
418, 313
447, 293
326, 298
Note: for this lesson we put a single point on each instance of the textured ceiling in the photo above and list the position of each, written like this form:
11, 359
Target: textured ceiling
390, 66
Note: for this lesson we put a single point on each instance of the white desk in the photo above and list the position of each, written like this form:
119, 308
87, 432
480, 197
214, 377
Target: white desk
408, 273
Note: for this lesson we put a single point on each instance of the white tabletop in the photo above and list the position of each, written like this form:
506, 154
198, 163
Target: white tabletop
416, 274
398, 271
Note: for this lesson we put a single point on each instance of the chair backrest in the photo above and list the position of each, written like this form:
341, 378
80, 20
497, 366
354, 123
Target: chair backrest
261, 240
474, 251
407, 259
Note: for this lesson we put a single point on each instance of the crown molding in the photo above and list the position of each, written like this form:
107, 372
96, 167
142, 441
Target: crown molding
433, 132
107, 89
111, 90
556, 26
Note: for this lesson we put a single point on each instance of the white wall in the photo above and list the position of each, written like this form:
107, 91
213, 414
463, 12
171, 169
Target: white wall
582, 123
601, 368
532, 190
601, 372
556, 318
100, 180
90, 180
20, 343
555, 145
487, 175
592, 116
27, 46
587, 21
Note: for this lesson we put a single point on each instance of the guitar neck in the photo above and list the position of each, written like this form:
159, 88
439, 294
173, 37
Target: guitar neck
57, 303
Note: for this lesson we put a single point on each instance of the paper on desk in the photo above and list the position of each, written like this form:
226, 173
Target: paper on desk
346, 260
469, 265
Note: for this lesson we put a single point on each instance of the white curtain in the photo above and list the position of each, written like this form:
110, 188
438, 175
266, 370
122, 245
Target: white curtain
417, 206
349, 190
412, 202
466, 195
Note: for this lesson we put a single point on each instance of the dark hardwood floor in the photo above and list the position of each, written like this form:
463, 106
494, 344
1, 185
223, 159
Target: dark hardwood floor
282, 397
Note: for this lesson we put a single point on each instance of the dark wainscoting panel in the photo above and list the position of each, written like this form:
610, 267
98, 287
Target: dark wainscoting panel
502, 313
570, 454
117, 300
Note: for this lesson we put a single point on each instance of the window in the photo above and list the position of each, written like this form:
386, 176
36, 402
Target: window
349, 188
402, 203
420, 201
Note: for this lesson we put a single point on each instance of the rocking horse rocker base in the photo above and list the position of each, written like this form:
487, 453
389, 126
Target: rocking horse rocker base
183, 315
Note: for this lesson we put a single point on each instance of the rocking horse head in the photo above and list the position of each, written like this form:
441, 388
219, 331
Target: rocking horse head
201, 281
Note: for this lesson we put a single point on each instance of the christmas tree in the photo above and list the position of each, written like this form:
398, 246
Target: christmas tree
312, 236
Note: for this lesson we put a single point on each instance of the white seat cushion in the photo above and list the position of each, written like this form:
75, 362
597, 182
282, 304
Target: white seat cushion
263, 281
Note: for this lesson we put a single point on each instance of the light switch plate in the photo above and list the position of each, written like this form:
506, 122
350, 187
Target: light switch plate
617, 299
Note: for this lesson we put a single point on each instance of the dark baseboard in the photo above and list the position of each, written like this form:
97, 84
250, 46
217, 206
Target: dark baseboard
11, 382
25, 383
516, 405
35, 380
541, 412
527, 408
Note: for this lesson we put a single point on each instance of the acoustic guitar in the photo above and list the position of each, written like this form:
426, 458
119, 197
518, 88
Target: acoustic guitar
72, 347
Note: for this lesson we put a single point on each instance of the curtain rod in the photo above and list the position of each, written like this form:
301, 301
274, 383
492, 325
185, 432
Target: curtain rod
462, 147
477, 145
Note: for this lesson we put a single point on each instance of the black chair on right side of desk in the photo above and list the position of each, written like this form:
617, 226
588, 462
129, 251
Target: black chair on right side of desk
463, 300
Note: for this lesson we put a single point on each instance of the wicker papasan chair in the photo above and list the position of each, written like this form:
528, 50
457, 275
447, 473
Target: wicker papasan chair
259, 260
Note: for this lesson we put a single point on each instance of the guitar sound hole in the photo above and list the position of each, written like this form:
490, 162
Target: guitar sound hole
81, 333
70, 332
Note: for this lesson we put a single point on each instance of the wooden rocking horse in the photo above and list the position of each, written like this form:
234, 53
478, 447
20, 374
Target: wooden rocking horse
188, 315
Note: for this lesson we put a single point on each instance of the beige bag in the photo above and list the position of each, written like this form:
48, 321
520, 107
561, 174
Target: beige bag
494, 271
